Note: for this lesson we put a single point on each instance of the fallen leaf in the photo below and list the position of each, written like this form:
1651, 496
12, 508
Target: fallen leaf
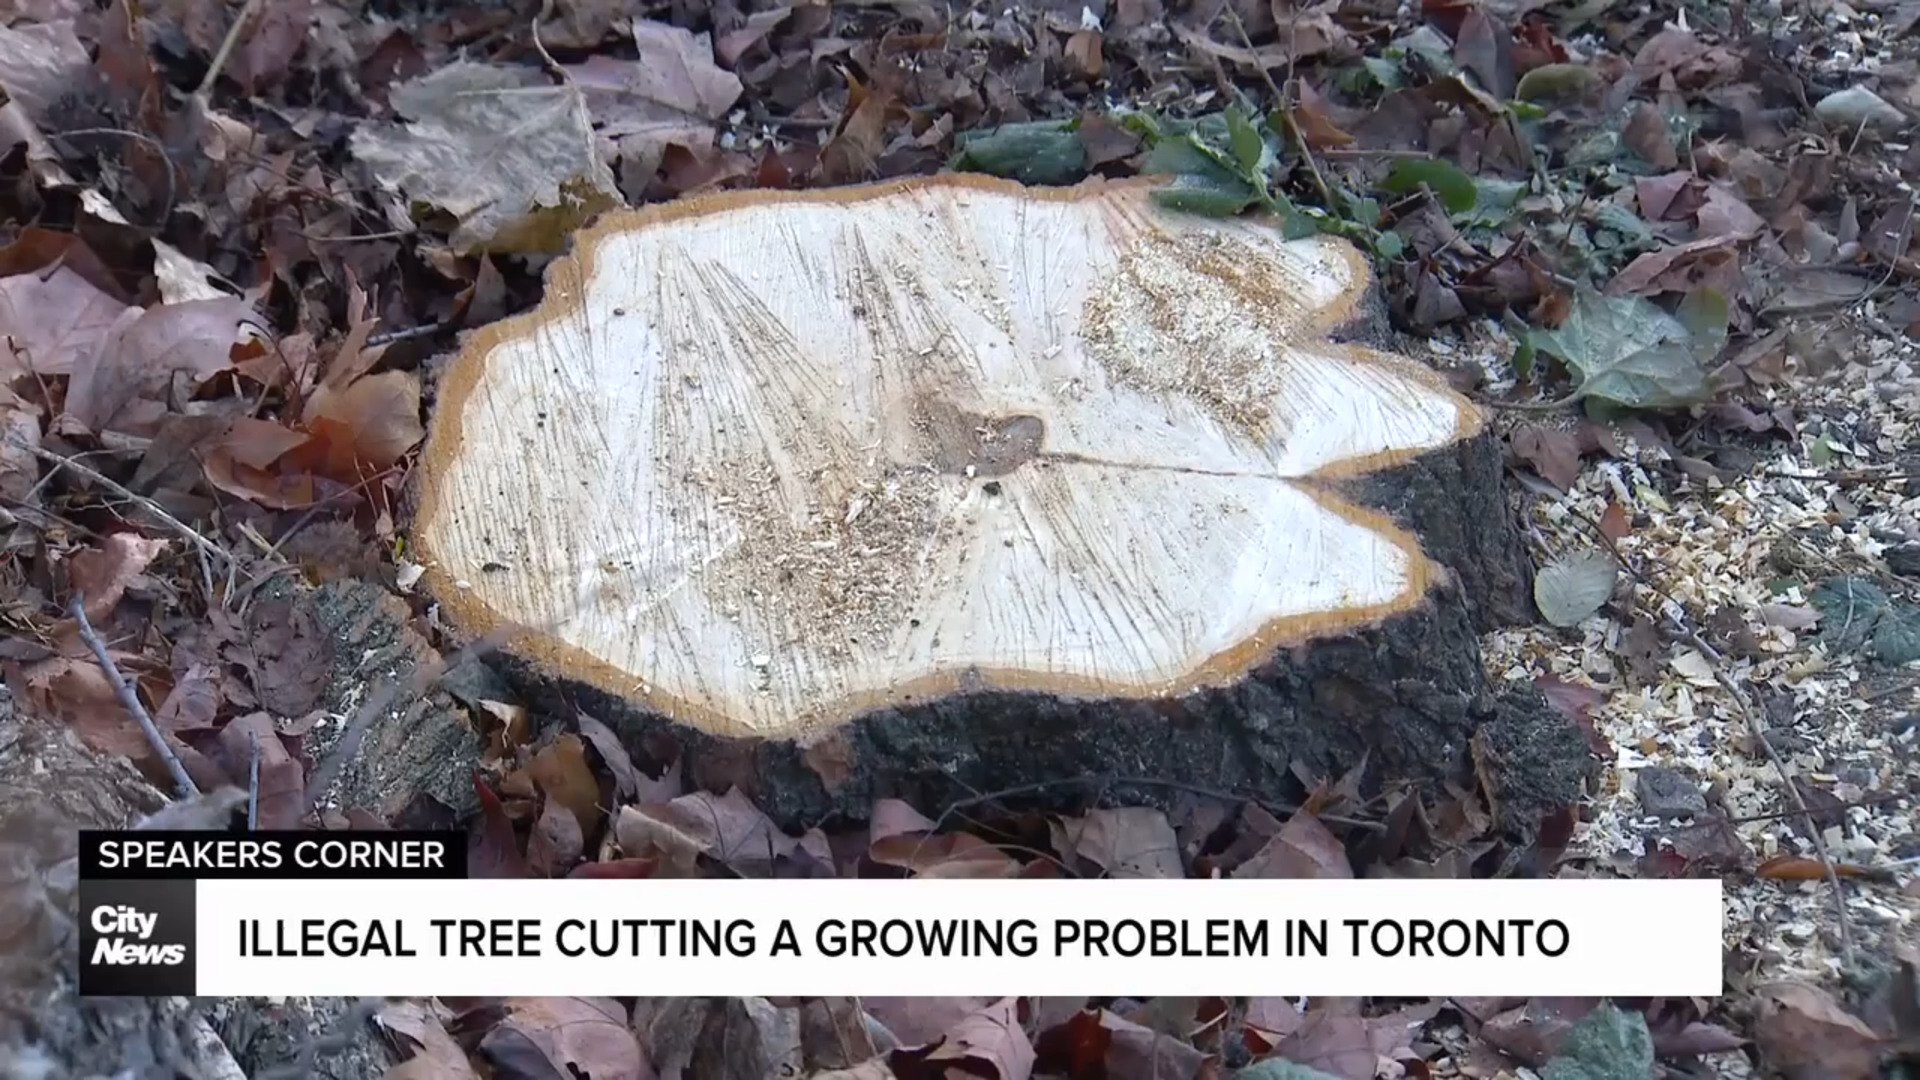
566, 1036
1570, 589
728, 828
988, 1043
1126, 842
1576, 702
493, 851
1303, 848
282, 779
510, 158
381, 413
50, 323
556, 842
1627, 350
1614, 524
918, 1021
123, 384
1804, 1034
561, 770
626, 779
430, 1053
266, 55
1554, 453
1801, 868
102, 574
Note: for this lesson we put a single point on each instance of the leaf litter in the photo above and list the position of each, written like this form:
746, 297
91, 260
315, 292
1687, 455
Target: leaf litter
227, 303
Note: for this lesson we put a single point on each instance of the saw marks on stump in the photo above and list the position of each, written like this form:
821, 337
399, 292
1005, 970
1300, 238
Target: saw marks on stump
782, 458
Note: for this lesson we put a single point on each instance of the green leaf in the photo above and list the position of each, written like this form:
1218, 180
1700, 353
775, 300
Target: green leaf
1556, 82
1455, 188
1607, 1044
1042, 152
1389, 245
1570, 589
1821, 452
1206, 195
1248, 147
1384, 72
1856, 613
1187, 155
1627, 350
1276, 1069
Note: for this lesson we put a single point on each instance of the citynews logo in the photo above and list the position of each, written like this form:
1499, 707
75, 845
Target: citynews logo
124, 931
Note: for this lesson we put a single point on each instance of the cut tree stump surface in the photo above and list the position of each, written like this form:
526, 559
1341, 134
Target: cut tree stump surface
950, 484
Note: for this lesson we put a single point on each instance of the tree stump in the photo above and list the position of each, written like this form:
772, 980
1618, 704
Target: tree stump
949, 485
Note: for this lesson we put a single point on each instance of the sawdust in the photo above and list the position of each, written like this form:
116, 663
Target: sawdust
1199, 315
841, 572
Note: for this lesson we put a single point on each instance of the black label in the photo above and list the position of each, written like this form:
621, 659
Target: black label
136, 938
355, 855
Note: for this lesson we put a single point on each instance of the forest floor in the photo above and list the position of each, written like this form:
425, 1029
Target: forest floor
1670, 245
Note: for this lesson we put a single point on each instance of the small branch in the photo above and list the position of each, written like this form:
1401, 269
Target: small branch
227, 45
253, 781
185, 531
183, 784
387, 337
554, 69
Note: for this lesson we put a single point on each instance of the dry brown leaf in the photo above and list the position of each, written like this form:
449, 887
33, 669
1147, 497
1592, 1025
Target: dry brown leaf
987, 1043
565, 1037
729, 828
265, 56
626, 778
556, 842
1304, 848
19, 434
432, 1053
1554, 453
1137, 1050
77, 692
891, 817
194, 702
382, 412
102, 574
1804, 1034
1126, 842
561, 770
1084, 52
917, 1021
1614, 524
51, 323
124, 384
1801, 868
958, 854
282, 787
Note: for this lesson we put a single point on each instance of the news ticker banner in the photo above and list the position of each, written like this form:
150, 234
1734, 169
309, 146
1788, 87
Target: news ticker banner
356, 914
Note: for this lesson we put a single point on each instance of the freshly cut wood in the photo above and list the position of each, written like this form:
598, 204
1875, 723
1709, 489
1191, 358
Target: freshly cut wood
875, 474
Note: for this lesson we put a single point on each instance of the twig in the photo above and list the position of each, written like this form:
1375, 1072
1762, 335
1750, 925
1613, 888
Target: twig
156, 145
1283, 100
387, 337
1759, 733
186, 532
226, 50
1772, 815
253, 781
183, 784
554, 69
1847, 476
